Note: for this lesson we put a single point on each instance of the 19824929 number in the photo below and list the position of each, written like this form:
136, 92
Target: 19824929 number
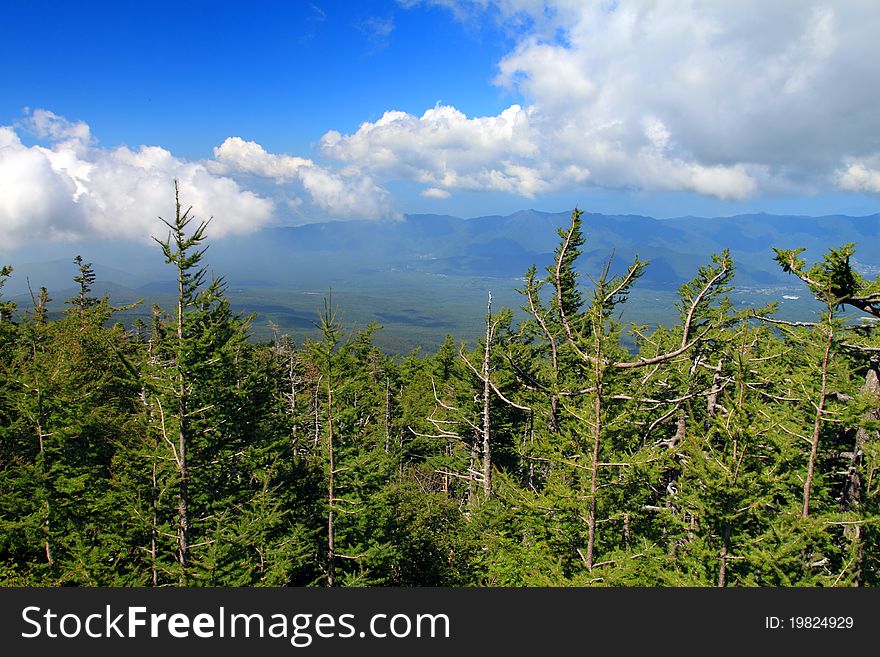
809, 623
820, 622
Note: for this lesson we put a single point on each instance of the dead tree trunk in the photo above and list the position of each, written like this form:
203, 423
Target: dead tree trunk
712, 400
182, 436
154, 482
594, 465
487, 444
817, 425
472, 469
387, 415
46, 524
852, 490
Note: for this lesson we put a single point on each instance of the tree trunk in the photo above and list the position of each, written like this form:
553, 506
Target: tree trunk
712, 400
154, 522
387, 415
594, 465
594, 476
530, 438
817, 426
680, 429
331, 536
725, 545
487, 446
722, 571
46, 525
40, 435
154, 485
851, 497
317, 407
445, 481
292, 400
472, 485
183, 507
852, 491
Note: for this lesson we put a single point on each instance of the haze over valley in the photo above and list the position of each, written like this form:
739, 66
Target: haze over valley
426, 276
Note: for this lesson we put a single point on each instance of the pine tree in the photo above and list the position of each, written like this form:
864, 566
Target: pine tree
207, 408
848, 349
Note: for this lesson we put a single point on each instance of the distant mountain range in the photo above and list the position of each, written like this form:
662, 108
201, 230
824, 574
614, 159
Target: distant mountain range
505, 246
401, 273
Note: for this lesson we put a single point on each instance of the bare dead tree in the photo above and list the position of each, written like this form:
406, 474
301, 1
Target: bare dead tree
484, 374
820, 411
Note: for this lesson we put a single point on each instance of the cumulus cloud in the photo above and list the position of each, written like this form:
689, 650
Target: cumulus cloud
48, 125
37, 199
343, 195
446, 150
236, 154
73, 189
435, 193
340, 194
861, 175
726, 99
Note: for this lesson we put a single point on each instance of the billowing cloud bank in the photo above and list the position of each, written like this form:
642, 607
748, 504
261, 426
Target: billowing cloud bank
73, 188
725, 99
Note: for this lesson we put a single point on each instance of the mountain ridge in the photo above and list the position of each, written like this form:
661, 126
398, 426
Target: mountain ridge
426, 274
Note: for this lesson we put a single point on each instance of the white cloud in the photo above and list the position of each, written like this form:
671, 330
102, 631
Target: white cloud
128, 189
727, 99
346, 195
48, 125
236, 154
435, 193
340, 194
861, 176
74, 189
36, 199
446, 150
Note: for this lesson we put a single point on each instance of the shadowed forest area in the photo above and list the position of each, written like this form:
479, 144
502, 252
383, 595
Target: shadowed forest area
732, 448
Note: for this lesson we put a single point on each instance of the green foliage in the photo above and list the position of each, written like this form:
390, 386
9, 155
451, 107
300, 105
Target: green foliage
729, 448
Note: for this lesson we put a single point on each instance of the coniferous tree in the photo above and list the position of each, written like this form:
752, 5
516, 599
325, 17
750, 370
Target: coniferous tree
850, 423
205, 395
728, 449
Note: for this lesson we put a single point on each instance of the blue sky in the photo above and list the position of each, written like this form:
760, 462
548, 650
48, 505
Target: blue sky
291, 112
187, 75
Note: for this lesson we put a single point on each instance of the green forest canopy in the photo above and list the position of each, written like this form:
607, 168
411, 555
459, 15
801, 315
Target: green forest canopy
731, 448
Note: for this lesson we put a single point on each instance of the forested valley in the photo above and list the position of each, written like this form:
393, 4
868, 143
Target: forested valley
730, 449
